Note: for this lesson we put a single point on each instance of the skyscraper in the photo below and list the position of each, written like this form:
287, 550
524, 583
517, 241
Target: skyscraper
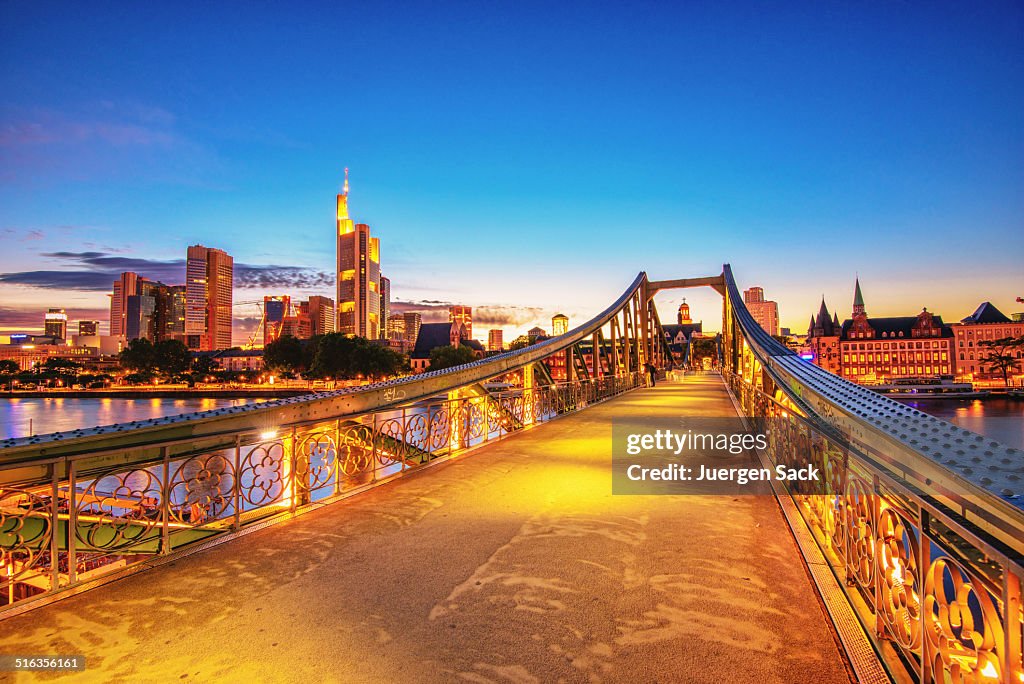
494, 340
88, 327
464, 315
124, 287
359, 293
321, 314
275, 310
765, 312
412, 328
385, 305
55, 323
559, 324
209, 276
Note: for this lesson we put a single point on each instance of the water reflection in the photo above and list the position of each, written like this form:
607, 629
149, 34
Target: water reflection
19, 415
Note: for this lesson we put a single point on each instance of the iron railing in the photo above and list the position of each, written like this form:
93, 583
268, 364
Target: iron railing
83, 520
940, 599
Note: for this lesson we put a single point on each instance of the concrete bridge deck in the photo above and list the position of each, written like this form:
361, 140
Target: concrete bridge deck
513, 564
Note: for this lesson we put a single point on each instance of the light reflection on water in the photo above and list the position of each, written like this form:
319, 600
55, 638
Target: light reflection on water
59, 413
999, 419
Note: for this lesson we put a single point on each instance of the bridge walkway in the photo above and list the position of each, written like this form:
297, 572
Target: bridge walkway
512, 564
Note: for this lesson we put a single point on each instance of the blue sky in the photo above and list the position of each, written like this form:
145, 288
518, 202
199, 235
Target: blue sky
520, 157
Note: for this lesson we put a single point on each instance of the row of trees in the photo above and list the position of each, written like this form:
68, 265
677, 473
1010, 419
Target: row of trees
333, 356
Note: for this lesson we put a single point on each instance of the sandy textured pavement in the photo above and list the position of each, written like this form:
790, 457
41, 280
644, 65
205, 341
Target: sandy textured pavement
513, 564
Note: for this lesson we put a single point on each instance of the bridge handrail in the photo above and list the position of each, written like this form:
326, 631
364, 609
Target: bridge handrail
896, 551
343, 402
865, 413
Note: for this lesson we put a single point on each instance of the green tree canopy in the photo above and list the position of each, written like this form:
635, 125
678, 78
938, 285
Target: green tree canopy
338, 356
205, 365
448, 357
520, 342
171, 357
286, 355
138, 356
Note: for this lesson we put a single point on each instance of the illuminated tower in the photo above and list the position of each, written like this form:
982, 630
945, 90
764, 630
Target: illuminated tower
359, 294
559, 324
684, 314
209, 283
124, 287
464, 315
56, 323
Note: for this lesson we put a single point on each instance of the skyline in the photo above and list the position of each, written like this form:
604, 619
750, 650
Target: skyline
518, 167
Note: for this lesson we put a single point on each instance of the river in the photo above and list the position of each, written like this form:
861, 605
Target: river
21, 417
1000, 419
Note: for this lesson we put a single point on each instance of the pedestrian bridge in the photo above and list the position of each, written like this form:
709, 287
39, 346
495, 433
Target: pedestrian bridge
486, 546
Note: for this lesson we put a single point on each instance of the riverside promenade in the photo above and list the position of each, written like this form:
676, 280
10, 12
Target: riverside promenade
513, 563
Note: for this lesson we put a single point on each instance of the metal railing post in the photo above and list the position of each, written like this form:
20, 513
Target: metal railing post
165, 496
54, 526
237, 489
72, 531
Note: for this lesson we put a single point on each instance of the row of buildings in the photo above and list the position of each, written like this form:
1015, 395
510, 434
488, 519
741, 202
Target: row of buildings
870, 350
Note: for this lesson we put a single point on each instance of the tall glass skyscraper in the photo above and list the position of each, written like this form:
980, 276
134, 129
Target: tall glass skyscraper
359, 291
209, 277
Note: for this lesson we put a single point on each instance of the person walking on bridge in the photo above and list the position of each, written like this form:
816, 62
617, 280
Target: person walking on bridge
653, 372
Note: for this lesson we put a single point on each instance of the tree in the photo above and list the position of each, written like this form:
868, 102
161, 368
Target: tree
999, 356
205, 365
449, 357
9, 367
138, 356
171, 357
520, 342
338, 356
285, 355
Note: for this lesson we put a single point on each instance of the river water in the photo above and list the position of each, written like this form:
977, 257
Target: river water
999, 419
20, 416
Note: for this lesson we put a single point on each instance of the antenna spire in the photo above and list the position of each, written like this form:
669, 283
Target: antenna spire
344, 189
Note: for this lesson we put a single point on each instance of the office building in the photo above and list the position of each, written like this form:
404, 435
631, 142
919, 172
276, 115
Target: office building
359, 294
124, 287
55, 323
385, 305
88, 327
986, 324
559, 324
413, 322
209, 276
765, 312
275, 311
495, 343
321, 313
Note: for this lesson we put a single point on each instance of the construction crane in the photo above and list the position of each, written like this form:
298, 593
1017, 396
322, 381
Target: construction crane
278, 325
263, 317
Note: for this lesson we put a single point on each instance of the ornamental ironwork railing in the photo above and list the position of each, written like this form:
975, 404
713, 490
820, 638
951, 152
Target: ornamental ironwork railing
103, 511
940, 598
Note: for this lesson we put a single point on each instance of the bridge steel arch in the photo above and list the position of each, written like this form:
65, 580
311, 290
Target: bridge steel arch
911, 517
76, 506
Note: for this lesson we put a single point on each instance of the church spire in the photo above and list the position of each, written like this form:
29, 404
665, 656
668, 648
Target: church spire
858, 299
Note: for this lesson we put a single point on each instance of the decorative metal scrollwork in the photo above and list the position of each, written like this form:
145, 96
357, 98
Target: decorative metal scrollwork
118, 509
26, 528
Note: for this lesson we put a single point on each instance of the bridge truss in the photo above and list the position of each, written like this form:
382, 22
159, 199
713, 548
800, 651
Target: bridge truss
914, 517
